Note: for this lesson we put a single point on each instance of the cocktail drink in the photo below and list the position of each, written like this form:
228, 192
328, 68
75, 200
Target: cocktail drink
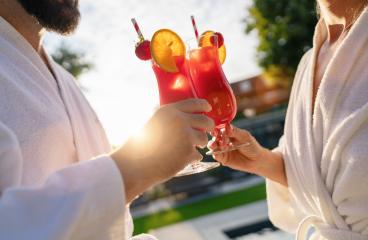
167, 53
173, 86
210, 83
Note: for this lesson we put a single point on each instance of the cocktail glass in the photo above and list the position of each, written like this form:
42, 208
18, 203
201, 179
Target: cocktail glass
210, 83
174, 83
173, 86
177, 86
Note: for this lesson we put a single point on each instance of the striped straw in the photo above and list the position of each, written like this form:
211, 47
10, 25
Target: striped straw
216, 40
137, 29
195, 27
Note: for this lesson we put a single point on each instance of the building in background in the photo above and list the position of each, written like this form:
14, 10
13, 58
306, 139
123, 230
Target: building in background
255, 95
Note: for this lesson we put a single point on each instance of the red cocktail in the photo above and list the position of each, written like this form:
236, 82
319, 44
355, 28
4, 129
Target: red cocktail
210, 83
174, 86
168, 54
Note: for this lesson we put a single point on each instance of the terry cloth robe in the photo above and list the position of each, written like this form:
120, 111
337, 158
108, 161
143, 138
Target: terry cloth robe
47, 132
326, 148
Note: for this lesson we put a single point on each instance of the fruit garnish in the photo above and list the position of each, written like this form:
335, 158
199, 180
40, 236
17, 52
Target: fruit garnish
166, 45
220, 39
205, 41
142, 50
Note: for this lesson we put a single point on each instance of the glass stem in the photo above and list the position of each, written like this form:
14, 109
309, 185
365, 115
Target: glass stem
222, 137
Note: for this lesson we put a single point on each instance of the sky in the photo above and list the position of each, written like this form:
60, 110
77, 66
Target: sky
121, 88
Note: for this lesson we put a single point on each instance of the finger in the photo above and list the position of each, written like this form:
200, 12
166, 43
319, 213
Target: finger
193, 105
216, 148
200, 138
221, 158
215, 145
200, 121
240, 135
228, 129
212, 145
196, 156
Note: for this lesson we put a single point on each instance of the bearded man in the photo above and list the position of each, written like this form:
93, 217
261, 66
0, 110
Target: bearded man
59, 178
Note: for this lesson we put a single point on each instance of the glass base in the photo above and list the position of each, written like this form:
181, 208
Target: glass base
228, 149
197, 167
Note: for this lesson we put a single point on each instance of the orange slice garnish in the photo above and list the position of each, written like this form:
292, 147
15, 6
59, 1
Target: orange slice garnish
165, 46
205, 41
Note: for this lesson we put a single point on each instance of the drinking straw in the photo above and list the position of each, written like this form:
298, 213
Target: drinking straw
216, 40
137, 29
195, 27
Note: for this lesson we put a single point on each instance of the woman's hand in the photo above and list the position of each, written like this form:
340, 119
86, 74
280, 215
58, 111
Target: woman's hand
252, 158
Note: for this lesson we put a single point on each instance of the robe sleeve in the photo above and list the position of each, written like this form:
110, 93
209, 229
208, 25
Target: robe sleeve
82, 201
282, 208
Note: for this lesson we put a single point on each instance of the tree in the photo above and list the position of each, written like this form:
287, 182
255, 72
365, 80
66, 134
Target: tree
73, 61
285, 30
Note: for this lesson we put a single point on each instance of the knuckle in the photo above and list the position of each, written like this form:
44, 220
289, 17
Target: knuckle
196, 119
199, 138
202, 118
249, 137
176, 117
207, 122
165, 110
245, 132
218, 157
242, 132
194, 138
187, 145
179, 105
203, 140
202, 143
222, 159
210, 122
159, 111
165, 107
196, 156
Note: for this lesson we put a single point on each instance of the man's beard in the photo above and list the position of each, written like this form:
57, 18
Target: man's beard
61, 16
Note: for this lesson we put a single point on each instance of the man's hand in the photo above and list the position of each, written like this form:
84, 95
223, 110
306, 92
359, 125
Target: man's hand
167, 145
253, 158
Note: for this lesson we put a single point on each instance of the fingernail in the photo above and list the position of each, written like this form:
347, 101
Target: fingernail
208, 105
212, 123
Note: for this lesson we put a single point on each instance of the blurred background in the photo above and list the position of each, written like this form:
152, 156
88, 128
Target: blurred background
265, 40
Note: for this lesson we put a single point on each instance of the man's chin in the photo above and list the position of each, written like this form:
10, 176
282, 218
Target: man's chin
63, 29
61, 16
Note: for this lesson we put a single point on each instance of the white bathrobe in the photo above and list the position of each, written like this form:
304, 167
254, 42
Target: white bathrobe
326, 148
47, 130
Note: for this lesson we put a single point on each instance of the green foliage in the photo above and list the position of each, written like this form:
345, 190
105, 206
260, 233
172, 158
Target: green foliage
285, 30
73, 61
200, 208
